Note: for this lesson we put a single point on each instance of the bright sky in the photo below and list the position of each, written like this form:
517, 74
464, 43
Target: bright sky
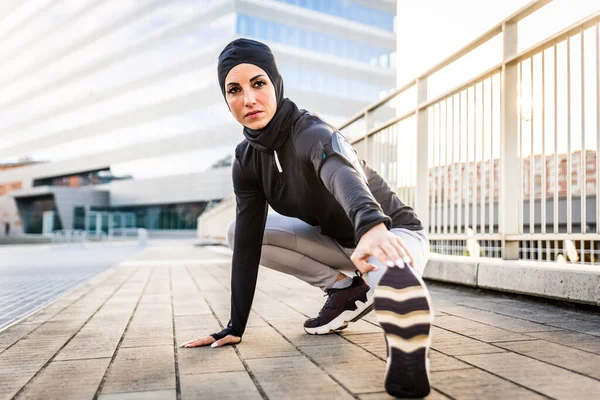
428, 31
431, 30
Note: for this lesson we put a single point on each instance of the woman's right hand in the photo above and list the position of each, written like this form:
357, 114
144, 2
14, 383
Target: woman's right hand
204, 341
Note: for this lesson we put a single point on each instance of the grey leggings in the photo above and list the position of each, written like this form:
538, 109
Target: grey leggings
293, 247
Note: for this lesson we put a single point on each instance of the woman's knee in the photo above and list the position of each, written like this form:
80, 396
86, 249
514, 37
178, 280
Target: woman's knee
230, 234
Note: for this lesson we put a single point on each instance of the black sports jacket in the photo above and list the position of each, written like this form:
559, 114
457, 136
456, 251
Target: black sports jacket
304, 178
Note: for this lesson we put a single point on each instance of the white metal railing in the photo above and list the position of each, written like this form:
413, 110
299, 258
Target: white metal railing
505, 164
69, 236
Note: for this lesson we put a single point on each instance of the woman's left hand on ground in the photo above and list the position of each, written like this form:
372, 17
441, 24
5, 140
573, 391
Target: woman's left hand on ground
383, 245
206, 340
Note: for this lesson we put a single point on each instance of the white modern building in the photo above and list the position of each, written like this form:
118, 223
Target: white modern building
111, 114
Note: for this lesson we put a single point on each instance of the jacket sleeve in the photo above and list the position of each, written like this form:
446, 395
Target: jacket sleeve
251, 216
342, 180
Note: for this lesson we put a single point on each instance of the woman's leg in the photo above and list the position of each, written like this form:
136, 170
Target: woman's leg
418, 246
296, 248
293, 247
403, 308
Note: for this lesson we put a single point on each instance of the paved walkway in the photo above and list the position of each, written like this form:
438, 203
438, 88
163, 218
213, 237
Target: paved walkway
31, 276
115, 338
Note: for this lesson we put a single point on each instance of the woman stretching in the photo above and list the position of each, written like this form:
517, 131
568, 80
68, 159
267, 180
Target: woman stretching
334, 213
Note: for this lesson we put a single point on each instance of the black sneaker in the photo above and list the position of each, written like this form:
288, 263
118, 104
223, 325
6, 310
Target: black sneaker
342, 306
403, 308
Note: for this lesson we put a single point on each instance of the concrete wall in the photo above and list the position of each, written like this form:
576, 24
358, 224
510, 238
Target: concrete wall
570, 282
69, 198
9, 213
213, 223
209, 185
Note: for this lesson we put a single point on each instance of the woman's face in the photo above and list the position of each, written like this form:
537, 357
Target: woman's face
250, 95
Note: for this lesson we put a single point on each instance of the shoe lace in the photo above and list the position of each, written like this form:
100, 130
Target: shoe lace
330, 292
328, 303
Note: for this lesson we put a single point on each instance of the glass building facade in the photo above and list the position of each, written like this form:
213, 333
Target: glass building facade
337, 45
317, 82
160, 216
80, 179
32, 210
102, 91
350, 11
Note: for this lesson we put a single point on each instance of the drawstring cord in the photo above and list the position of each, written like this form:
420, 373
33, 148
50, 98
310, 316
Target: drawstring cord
277, 162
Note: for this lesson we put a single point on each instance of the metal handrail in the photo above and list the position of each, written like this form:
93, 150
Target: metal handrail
451, 187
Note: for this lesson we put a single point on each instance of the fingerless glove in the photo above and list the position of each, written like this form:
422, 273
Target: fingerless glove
223, 333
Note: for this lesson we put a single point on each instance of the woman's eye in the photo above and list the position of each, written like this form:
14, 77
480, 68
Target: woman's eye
260, 83
233, 90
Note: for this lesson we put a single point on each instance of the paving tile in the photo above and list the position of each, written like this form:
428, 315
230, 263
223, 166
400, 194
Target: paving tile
293, 330
534, 312
44, 314
476, 384
356, 369
306, 306
11, 381
498, 320
442, 362
544, 378
11, 335
223, 385
203, 278
261, 342
94, 341
188, 327
206, 359
465, 321
191, 307
141, 369
591, 326
55, 329
373, 342
453, 344
360, 327
30, 354
79, 313
77, 379
272, 310
384, 396
295, 378
477, 330
576, 340
372, 318
169, 394
146, 333
561, 356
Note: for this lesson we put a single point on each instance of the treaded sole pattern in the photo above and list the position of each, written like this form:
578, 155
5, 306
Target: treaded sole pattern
403, 309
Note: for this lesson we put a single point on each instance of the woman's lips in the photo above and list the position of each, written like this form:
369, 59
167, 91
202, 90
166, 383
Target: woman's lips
253, 114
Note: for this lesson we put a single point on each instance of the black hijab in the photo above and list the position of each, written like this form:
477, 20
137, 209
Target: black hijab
246, 51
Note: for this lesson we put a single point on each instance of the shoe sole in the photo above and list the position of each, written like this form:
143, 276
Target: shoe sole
403, 309
341, 321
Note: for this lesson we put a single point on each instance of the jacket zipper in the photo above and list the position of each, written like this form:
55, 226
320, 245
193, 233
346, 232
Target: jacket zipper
277, 163
279, 169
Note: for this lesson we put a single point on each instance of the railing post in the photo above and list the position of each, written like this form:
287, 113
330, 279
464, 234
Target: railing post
422, 167
509, 203
369, 124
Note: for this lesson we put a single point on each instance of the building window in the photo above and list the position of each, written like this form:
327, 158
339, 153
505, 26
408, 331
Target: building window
311, 40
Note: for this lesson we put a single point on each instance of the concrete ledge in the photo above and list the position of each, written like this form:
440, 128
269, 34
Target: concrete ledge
461, 270
576, 283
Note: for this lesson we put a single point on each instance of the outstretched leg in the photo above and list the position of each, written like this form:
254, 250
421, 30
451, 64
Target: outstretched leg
403, 308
